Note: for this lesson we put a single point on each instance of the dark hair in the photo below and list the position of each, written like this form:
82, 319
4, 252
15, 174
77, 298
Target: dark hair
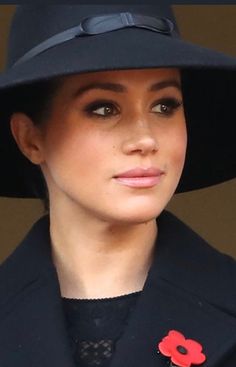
35, 100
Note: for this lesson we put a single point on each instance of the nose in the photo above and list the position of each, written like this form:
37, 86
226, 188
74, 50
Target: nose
140, 139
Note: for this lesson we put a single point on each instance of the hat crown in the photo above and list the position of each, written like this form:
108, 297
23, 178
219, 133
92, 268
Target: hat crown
48, 20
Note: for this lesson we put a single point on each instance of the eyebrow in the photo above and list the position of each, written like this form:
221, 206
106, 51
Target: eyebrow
120, 88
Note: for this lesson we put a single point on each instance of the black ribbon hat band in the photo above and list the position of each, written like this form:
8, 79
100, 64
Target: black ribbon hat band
102, 24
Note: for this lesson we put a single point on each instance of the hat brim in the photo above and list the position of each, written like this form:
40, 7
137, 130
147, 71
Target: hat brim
211, 157
131, 48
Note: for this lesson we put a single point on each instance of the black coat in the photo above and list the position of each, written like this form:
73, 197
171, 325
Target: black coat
190, 288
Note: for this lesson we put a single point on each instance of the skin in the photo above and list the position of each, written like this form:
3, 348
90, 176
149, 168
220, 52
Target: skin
102, 232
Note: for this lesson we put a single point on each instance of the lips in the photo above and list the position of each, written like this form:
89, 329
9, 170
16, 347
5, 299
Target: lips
140, 177
140, 172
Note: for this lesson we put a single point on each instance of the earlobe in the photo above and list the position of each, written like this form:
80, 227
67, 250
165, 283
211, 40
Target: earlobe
26, 136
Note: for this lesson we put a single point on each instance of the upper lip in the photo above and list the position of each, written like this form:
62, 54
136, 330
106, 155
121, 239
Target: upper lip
141, 172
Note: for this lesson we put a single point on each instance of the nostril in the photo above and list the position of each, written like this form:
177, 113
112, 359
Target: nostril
143, 146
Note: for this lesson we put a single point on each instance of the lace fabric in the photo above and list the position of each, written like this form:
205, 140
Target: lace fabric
95, 325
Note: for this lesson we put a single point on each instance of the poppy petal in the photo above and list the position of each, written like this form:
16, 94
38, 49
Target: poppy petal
198, 358
193, 345
181, 360
164, 349
176, 335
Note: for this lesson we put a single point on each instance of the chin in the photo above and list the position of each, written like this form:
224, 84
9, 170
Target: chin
145, 207
137, 215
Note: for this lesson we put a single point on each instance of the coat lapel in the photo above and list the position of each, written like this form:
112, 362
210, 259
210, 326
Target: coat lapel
188, 288
32, 331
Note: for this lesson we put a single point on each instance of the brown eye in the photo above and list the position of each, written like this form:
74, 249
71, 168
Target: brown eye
101, 109
167, 106
162, 108
105, 110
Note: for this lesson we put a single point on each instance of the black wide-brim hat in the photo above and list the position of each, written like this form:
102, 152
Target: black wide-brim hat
57, 40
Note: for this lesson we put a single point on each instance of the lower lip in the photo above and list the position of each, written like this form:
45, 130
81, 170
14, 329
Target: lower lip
139, 181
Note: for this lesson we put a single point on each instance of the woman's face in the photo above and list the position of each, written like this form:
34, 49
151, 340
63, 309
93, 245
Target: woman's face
106, 123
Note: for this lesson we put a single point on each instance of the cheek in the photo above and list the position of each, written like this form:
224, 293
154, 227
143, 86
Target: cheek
76, 152
176, 147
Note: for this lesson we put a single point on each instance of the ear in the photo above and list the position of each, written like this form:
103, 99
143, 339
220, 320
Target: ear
27, 137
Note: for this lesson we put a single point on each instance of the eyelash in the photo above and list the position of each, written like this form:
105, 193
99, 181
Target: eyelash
171, 103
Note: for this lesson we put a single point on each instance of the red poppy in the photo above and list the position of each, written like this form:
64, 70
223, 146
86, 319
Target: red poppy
183, 352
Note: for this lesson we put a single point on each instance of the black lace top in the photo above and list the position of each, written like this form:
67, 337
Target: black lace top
94, 326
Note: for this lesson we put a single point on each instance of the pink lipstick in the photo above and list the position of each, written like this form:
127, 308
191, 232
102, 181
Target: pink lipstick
140, 177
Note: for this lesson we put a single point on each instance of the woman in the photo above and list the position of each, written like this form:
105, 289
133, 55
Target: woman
107, 110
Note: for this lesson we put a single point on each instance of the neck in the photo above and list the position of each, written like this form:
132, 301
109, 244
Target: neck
95, 258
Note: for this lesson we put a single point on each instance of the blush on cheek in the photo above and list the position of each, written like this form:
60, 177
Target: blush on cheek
177, 151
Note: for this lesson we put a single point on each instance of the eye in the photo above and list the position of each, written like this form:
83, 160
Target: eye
101, 109
167, 106
106, 109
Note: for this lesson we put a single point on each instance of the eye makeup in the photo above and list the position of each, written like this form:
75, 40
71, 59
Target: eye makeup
168, 105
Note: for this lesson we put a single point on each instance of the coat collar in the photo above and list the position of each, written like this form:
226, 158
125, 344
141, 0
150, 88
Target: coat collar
189, 288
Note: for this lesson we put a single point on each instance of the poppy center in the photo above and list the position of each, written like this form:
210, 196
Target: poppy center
181, 349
